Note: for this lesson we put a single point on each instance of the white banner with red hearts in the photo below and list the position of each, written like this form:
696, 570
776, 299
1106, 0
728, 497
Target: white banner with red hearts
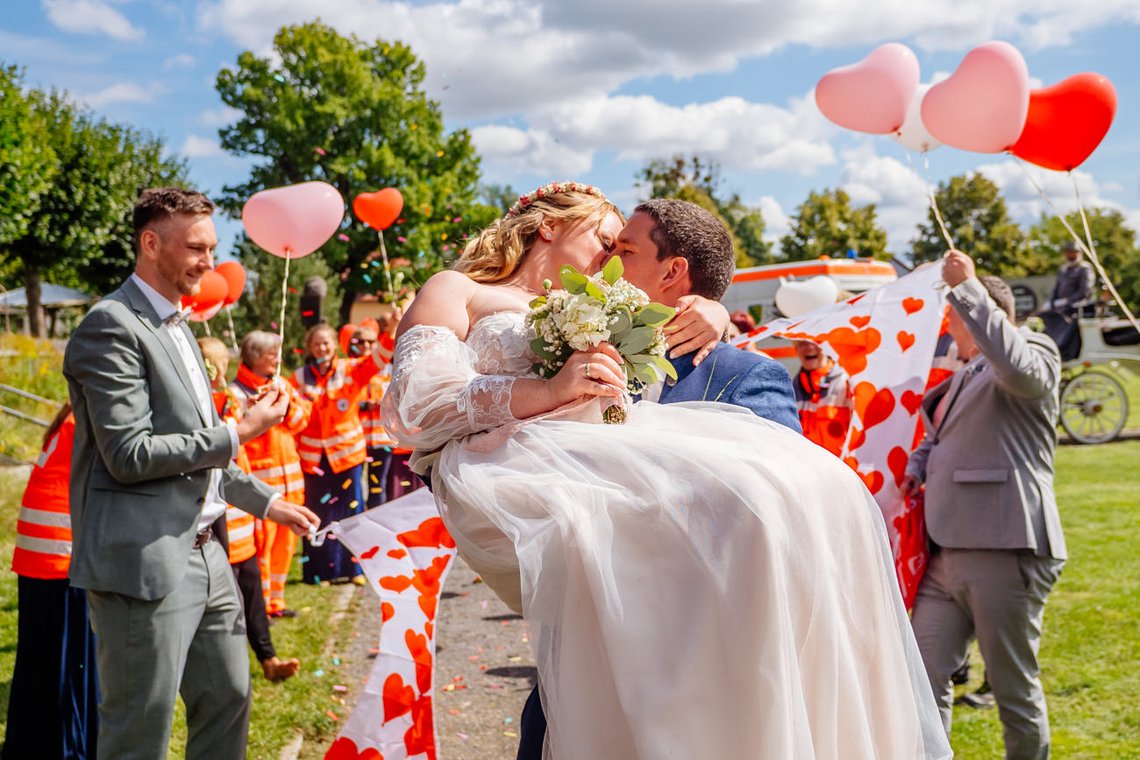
884, 340
405, 552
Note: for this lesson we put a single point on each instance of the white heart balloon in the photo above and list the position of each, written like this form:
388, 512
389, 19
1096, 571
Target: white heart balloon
797, 298
913, 134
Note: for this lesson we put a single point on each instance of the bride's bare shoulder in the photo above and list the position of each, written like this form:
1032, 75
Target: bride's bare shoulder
442, 301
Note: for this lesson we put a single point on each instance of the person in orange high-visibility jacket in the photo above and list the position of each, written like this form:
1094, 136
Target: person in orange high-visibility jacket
332, 446
273, 458
377, 441
241, 529
55, 687
824, 397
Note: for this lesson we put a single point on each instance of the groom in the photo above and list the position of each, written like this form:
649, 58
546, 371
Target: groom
671, 249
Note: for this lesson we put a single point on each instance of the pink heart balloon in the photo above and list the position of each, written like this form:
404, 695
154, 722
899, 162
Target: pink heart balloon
873, 94
982, 106
295, 220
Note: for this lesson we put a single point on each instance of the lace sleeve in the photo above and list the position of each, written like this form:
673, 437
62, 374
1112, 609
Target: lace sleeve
436, 395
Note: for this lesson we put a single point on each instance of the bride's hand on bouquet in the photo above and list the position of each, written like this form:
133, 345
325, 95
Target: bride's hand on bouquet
697, 326
589, 373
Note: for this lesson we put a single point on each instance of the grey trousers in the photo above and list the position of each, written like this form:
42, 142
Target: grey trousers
999, 598
191, 641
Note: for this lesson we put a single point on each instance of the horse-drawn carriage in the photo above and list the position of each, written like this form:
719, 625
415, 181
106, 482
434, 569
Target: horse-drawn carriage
1094, 404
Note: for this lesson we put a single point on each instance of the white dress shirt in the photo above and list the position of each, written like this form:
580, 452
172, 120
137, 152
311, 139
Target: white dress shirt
214, 506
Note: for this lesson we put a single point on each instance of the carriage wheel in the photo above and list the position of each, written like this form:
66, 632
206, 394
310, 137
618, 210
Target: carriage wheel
1093, 407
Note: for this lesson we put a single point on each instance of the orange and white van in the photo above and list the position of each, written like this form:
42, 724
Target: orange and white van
753, 290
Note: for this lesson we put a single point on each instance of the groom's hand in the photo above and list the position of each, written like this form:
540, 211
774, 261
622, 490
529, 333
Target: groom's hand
269, 410
295, 517
697, 326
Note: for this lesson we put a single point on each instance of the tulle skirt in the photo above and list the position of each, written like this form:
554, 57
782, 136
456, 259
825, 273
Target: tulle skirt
700, 583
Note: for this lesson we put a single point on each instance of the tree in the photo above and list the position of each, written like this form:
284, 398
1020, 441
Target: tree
498, 197
978, 222
79, 232
26, 162
827, 225
327, 107
698, 181
1115, 244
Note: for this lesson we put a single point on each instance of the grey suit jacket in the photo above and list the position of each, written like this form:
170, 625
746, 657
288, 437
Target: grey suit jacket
989, 467
143, 452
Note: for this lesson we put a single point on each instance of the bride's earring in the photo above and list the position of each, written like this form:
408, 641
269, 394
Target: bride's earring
545, 233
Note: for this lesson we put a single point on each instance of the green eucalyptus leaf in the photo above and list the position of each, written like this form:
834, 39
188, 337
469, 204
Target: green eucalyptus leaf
654, 314
613, 270
637, 340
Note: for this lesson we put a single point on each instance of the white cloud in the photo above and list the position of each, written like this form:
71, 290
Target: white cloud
510, 56
123, 92
200, 147
1024, 201
517, 151
563, 138
219, 117
898, 192
180, 61
91, 17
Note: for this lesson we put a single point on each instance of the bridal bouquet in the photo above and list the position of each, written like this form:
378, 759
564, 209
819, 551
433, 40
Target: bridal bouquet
603, 307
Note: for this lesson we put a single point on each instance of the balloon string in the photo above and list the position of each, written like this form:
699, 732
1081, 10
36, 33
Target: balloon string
206, 326
233, 332
932, 199
1096, 259
281, 321
387, 268
941, 224
1087, 248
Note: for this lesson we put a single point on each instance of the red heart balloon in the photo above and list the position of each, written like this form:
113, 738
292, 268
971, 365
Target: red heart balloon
234, 274
1067, 121
379, 209
212, 289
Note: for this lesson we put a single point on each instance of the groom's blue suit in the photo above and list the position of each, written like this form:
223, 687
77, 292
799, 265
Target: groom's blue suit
730, 376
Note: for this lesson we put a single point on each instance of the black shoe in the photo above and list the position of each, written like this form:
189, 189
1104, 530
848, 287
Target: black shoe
982, 699
285, 613
960, 676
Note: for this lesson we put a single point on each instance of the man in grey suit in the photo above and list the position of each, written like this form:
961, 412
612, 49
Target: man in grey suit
991, 516
151, 473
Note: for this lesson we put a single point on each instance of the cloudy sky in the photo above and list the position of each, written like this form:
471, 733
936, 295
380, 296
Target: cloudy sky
592, 89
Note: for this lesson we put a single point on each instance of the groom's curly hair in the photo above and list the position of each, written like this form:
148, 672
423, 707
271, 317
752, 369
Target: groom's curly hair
687, 230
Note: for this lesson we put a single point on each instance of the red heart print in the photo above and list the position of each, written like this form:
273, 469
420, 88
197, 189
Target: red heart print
905, 339
911, 305
860, 322
911, 401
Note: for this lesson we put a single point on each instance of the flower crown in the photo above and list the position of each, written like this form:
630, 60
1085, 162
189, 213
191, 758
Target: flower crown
525, 201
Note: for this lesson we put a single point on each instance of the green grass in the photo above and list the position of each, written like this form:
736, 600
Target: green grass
1090, 646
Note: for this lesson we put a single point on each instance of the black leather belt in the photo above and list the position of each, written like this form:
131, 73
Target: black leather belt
203, 536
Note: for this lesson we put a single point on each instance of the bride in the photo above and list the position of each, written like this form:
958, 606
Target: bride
699, 582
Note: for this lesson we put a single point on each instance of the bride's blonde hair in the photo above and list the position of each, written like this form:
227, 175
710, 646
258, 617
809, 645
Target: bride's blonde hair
496, 252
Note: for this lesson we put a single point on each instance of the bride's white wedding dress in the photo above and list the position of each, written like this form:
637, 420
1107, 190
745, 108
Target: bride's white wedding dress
700, 583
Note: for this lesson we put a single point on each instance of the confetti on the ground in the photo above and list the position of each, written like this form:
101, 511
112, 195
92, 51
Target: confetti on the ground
318, 672
462, 735
331, 714
511, 734
336, 661
340, 687
508, 719
483, 604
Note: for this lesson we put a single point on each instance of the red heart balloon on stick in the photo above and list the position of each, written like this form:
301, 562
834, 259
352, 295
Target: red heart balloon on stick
379, 209
234, 274
1067, 121
212, 290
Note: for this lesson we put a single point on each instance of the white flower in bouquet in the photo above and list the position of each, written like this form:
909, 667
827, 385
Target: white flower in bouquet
603, 307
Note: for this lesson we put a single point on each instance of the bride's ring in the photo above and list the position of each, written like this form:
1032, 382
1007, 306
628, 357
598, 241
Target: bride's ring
586, 369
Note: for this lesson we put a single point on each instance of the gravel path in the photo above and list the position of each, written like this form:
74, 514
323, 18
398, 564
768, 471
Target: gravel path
484, 671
